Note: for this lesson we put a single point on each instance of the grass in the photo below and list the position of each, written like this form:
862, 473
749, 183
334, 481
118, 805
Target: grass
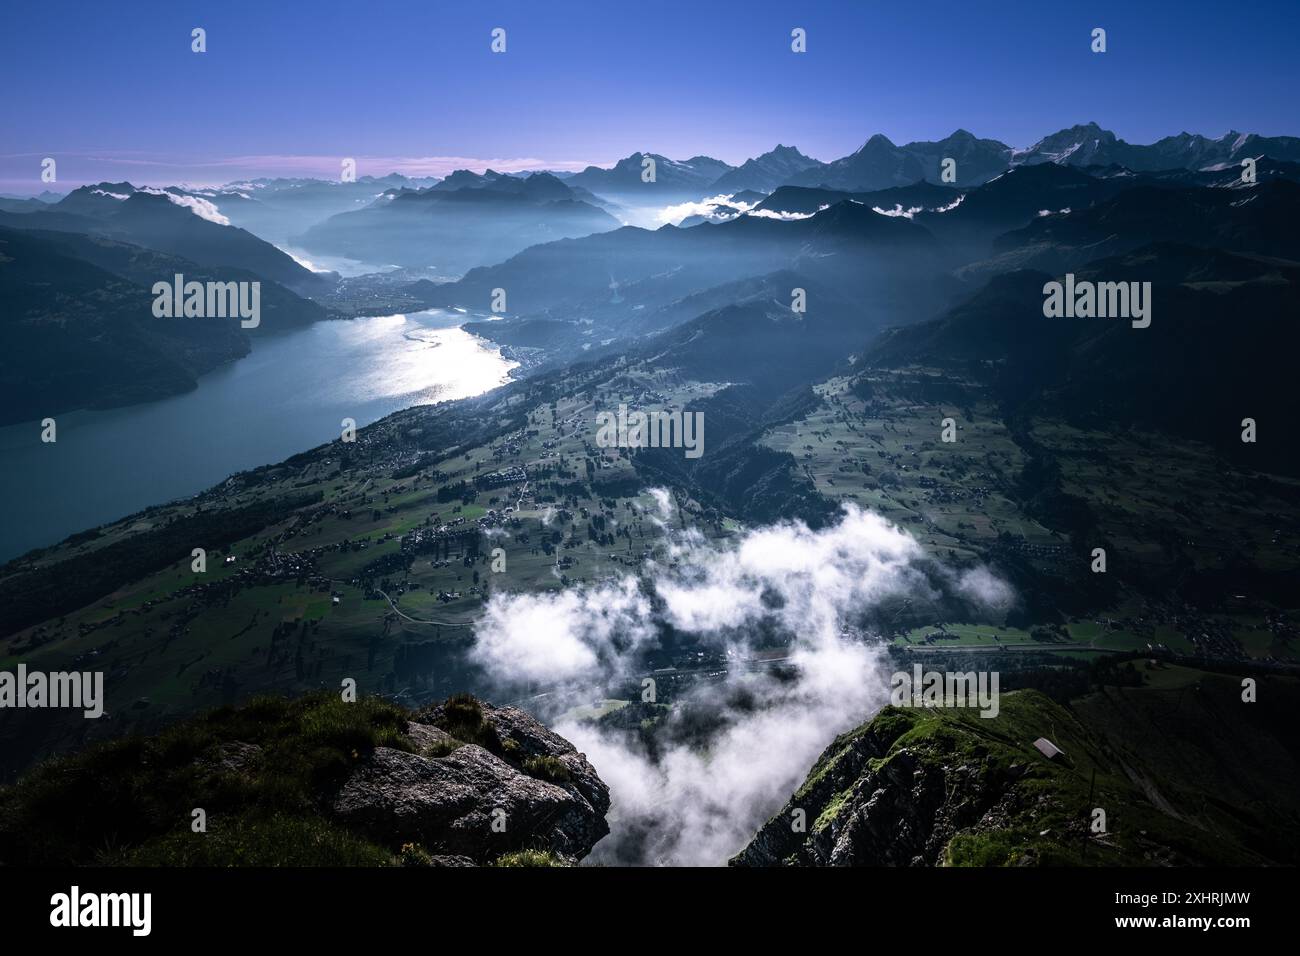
1230, 767
236, 637
443, 747
529, 858
957, 635
254, 771
254, 839
1041, 807
548, 768
262, 774
462, 718
412, 854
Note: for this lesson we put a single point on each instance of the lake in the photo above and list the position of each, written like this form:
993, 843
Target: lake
289, 395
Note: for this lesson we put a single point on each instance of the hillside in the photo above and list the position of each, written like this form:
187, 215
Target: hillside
946, 787
1102, 372
314, 781
462, 222
97, 343
172, 222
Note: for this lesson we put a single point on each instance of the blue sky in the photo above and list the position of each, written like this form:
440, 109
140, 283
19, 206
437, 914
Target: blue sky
114, 92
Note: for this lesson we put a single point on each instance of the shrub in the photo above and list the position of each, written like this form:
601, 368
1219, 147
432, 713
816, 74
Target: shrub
304, 749
462, 717
412, 854
444, 747
547, 768
528, 858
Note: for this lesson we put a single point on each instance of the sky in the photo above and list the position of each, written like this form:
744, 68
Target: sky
114, 92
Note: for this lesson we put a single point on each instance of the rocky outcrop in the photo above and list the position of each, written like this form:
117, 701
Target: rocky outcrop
868, 806
945, 787
496, 782
318, 780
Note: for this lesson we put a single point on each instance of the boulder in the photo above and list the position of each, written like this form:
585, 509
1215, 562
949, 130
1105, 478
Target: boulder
459, 799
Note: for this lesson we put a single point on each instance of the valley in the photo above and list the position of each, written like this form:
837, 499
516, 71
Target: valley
911, 459
264, 406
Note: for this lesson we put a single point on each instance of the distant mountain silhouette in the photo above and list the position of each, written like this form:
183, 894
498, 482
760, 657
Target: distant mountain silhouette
1219, 348
674, 179
616, 282
879, 164
766, 172
1089, 144
465, 221
162, 221
805, 200
1261, 221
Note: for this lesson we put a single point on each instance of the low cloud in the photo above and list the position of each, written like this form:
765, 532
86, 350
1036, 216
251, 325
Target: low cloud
578, 634
784, 216
203, 208
898, 211
986, 589
731, 750
719, 207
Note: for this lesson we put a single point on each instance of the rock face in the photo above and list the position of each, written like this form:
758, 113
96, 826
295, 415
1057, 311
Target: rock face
935, 787
865, 810
516, 786
945, 787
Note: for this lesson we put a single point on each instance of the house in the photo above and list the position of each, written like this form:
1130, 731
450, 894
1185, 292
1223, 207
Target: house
1047, 748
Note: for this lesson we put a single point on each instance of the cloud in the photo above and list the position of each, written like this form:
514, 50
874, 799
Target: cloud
560, 637
898, 211
692, 806
705, 207
782, 586
784, 216
986, 589
663, 502
301, 260
97, 165
203, 208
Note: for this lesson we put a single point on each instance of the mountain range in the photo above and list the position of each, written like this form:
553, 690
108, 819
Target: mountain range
465, 221
829, 328
577, 280
766, 172
171, 221
880, 164
673, 179
96, 343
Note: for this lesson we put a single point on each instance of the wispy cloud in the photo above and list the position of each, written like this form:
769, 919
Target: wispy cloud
21, 171
681, 802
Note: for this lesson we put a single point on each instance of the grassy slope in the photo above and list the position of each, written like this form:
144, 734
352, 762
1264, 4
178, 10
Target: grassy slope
1222, 797
170, 653
262, 773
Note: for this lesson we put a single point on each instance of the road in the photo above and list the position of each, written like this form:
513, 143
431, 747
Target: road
415, 620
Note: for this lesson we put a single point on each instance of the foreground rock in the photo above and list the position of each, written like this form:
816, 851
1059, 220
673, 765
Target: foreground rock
496, 781
314, 781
